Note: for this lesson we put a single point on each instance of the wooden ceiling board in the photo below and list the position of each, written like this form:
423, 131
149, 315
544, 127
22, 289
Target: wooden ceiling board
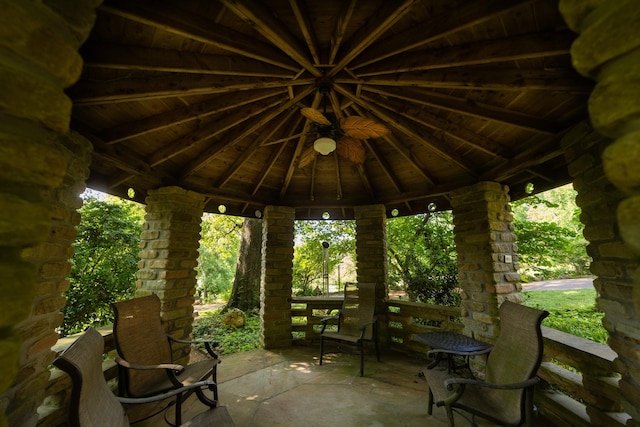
207, 95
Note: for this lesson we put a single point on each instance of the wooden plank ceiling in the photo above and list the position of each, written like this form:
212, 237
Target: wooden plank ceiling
206, 95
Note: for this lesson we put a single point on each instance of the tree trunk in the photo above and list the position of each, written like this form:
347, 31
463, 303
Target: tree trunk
245, 293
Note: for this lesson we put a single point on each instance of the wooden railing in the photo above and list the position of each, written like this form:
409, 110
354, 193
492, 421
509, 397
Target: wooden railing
569, 362
579, 388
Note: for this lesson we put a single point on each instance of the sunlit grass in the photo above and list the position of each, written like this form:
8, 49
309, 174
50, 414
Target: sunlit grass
572, 311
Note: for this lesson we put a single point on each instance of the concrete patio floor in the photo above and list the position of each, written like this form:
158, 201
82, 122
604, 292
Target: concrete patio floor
289, 388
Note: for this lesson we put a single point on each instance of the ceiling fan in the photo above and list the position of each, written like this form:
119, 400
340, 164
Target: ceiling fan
342, 135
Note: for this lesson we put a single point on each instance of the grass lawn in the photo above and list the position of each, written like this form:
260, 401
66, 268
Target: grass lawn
572, 311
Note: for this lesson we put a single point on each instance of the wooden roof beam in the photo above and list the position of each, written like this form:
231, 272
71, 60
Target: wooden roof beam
261, 18
204, 158
209, 130
122, 57
465, 107
180, 22
302, 15
198, 111
527, 46
441, 126
483, 79
389, 120
341, 27
386, 16
266, 134
464, 16
172, 85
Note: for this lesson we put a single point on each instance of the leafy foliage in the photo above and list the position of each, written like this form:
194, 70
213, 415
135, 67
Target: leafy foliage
307, 259
231, 339
104, 264
219, 245
549, 231
422, 257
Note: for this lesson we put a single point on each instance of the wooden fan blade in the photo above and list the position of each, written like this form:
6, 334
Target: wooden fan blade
351, 149
363, 128
307, 157
315, 116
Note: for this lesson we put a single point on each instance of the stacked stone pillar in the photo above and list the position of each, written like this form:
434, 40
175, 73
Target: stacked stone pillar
371, 256
608, 51
276, 277
168, 258
38, 60
487, 255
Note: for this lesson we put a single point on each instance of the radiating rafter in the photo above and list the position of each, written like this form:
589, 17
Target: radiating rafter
463, 16
209, 131
303, 17
343, 19
498, 79
266, 24
266, 134
379, 23
527, 46
177, 116
440, 125
171, 85
387, 118
466, 107
179, 22
112, 56
256, 124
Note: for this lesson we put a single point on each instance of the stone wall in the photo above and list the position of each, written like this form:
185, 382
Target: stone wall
38, 56
608, 50
371, 256
276, 277
487, 255
168, 257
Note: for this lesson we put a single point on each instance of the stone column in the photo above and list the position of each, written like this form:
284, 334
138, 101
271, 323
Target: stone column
276, 277
608, 50
38, 60
487, 255
371, 256
168, 257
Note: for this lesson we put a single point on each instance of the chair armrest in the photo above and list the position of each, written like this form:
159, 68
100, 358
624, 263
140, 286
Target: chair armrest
324, 321
171, 393
208, 344
451, 382
170, 366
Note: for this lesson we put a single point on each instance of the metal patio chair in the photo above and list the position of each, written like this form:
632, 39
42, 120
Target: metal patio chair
505, 396
145, 365
357, 320
92, 402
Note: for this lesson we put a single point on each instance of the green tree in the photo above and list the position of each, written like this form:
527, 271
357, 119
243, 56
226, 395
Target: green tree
104, 264
219, 245
422, 257
245, 294
550, 240
307, 259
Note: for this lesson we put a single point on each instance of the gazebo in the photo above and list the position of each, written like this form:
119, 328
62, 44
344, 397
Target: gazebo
192, 107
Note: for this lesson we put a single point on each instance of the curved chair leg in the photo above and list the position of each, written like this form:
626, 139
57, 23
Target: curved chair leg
430, 403
321, 348
450, 415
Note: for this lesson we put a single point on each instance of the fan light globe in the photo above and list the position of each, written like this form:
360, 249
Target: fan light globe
324, 145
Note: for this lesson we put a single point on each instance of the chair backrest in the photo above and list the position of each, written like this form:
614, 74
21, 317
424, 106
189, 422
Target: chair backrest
358, 308
517, 354
92, 402
140, 338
